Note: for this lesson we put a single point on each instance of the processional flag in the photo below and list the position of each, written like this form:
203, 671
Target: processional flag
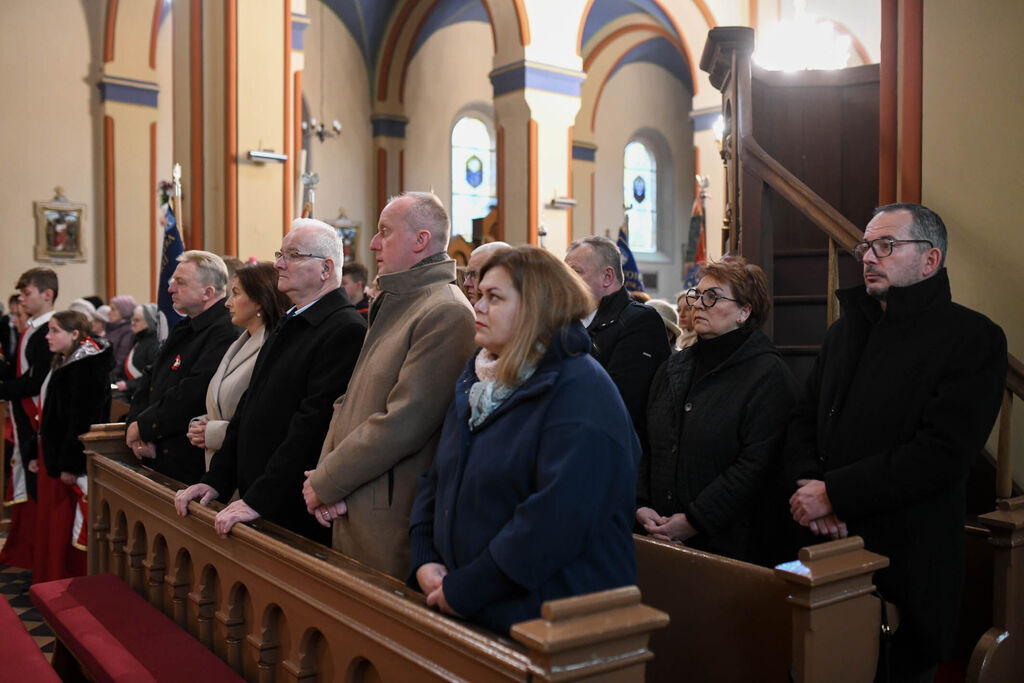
173, 248
697, 249
630, 272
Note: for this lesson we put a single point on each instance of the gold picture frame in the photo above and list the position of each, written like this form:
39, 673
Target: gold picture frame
59, 237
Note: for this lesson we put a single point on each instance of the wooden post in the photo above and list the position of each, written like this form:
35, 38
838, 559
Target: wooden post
999, 654
596, 635
830, 591
1004, 456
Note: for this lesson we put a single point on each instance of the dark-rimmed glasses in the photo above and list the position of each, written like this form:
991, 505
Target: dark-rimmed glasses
709, 297
882, 247
293, 255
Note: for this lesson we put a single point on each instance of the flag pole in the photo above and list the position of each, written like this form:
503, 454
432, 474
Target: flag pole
176, 197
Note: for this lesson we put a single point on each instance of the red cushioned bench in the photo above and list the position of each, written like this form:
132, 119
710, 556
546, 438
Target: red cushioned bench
115, 635
20, 656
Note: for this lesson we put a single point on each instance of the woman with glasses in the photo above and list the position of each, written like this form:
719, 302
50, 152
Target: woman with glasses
530, 496
255, 305
716, 417
149, 328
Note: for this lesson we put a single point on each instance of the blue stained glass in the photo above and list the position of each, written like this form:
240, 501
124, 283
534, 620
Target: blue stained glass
473, 174
474, 171
639, 193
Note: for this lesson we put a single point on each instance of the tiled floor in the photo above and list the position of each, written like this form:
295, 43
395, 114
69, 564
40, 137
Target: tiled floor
14, 583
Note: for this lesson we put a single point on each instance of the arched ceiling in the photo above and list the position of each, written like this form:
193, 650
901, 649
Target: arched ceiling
367, 21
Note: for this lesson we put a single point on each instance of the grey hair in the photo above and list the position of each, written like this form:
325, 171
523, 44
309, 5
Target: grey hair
427, 212
211, 269
606, 253
925, 225
324, 240
488, 247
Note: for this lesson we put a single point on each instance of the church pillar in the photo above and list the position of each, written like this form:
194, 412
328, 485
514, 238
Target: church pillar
535, 106
389, 160
584, 162
128, 93
536, 79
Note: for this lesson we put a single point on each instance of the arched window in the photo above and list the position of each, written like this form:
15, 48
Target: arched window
473, 183
640, 192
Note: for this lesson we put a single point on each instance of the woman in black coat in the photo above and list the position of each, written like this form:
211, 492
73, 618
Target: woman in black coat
75, 395
716, 416
148, 327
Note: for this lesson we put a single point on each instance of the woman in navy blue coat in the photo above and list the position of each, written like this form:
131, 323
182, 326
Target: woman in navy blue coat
530, 497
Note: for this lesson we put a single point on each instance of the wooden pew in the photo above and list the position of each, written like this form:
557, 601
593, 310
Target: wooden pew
277, 607
733, 621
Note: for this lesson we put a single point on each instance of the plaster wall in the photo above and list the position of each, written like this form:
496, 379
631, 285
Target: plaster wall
447, 76
346, 164
49, 134
666, 108
971, 152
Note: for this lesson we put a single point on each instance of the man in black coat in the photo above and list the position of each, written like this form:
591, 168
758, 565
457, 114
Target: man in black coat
21, 378
902, 399
174, 389
628, 338
282, 418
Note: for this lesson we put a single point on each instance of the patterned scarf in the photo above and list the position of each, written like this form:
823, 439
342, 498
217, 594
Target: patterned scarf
488, 393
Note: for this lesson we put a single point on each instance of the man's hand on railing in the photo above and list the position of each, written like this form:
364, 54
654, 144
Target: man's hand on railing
236, 512
204, 492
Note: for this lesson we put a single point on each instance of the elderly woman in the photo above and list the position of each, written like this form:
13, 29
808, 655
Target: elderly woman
716, 417
255, 305
530, 496
148, 325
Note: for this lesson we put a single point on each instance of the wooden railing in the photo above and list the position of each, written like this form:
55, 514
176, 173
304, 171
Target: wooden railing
278, 607
999, 655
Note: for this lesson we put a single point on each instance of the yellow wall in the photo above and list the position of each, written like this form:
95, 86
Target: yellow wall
972, 151
51, 134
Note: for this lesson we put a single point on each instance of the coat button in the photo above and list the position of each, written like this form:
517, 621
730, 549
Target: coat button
688, 407
675, 448
668, 494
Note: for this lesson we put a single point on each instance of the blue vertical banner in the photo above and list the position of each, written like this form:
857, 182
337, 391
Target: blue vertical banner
173, 248
630, 272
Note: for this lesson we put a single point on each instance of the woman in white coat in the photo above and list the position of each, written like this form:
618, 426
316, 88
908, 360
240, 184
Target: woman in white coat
256, 305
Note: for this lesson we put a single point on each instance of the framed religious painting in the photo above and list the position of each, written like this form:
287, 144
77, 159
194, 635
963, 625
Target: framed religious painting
59, 237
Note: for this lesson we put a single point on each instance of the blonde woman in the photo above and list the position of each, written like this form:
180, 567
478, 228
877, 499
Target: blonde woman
530, 497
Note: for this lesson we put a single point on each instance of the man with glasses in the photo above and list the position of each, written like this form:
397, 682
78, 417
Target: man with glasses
628, 338
477, 260
385, 429
901, 400
303, 366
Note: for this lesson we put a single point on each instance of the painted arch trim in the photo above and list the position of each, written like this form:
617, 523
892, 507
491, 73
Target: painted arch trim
521, 75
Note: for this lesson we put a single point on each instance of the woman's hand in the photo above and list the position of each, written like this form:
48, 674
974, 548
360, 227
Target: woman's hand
68, 478
674, 528
121, 385
197, 432
202, 492
436, 599
33, 465
430, 576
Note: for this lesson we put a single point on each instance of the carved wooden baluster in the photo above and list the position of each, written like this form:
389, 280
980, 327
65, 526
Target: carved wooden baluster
118, 541
231, 627
265, 646
101, 543
136, 560
205, 607
156, 568
178, 585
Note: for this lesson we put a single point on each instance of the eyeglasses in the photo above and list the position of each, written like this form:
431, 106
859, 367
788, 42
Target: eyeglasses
709, 297
472, 274
882, 246
293, 255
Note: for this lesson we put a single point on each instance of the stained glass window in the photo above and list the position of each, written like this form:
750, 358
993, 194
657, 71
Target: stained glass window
640, 191
473, 177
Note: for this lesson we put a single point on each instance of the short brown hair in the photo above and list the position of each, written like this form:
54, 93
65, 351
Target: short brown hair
259, 282
356, 271
40, 278
748, 284
551, 297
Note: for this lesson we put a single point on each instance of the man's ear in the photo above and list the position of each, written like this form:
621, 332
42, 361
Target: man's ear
932, 261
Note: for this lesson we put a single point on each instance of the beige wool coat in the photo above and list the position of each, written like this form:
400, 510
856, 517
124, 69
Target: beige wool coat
227, 386
385, 428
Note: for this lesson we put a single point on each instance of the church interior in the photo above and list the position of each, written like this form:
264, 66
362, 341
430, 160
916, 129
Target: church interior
535, 121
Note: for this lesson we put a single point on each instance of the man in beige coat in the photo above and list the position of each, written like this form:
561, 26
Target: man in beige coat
385, 428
